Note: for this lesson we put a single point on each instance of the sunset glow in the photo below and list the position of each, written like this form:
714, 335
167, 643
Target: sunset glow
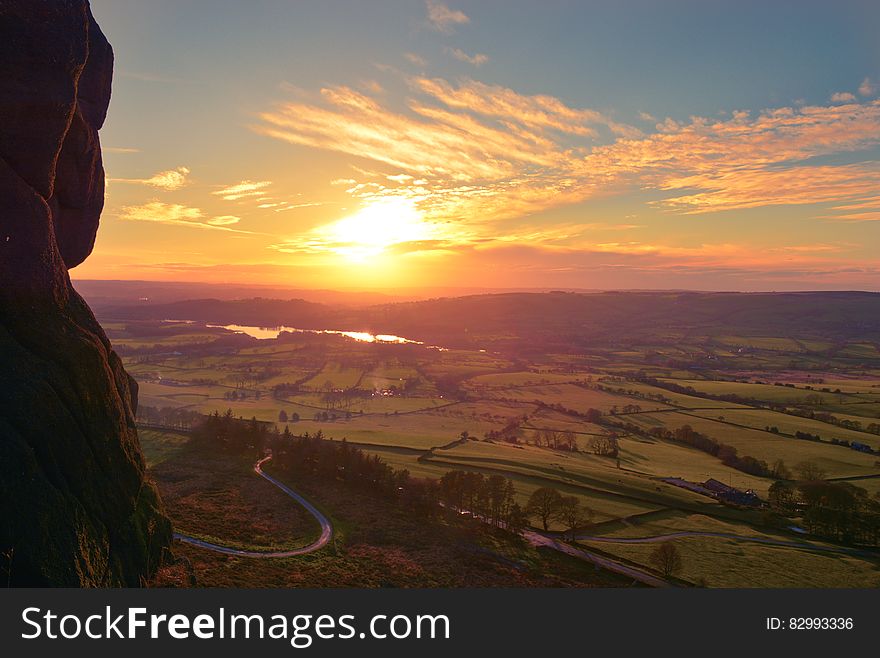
427, 145
378, 226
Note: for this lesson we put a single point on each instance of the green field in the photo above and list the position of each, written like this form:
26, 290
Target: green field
410, 405
159, 445
837, 460
722, 562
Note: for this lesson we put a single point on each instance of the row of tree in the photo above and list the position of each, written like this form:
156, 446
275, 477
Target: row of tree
687, 435
836, 510
548, 505
492, 498
171, 417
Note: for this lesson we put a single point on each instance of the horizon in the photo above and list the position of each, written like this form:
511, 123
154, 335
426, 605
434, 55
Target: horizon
417, 145
402, 294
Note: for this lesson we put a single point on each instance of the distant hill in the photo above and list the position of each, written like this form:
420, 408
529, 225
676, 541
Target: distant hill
569, 320
103, 293
257, 311
645, 316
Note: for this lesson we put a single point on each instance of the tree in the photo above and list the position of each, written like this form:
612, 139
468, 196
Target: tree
593, 415
605, 445
517, 519
782, 496
282, 416
545, 504
810, 471
573, 515
667, 559
780, 471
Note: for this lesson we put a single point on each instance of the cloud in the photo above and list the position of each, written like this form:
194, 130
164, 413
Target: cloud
371, 86
170, 180
857, 217
760, 187
295, 206
870, 202
418, 60
842, 97
479, 153
443, 19
177, 214
867, 88
538, 111
243, 190
224, 220
119, 149
477, 59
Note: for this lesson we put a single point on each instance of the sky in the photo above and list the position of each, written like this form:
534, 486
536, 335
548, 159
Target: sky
557, 144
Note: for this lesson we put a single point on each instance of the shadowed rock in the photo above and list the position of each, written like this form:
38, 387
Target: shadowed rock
74, 506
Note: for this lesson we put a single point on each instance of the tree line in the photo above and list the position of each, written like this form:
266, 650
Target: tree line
458, 493
836, 510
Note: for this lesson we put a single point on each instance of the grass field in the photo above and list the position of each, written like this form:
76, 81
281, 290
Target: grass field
719, 562
767, 392
218, 498
159, 445
335, 376
571, 396
761, 419
836, 460
438, 395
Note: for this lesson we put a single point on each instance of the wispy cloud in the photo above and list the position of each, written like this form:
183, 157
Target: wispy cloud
842, 97
443, 19
223, 220
857, 217
415, 59
119, 149
170, 180
477, 59
869, 202
258, 192
750, 161
867, 88
284, 207
178, 215
243, 190
472, 153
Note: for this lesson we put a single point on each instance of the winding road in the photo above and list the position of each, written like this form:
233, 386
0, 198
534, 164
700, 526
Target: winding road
533, 537
723, 535
320, 542
540, 539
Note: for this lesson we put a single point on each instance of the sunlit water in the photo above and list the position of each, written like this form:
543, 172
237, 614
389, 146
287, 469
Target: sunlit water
269, 333
265, 333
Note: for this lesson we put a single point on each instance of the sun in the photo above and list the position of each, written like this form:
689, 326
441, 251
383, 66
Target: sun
376, 227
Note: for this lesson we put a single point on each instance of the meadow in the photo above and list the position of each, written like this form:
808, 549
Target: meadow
429, 411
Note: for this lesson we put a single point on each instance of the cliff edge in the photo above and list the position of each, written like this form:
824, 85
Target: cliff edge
75, 509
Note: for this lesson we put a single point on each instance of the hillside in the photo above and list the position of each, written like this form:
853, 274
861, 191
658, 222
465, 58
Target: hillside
565, 320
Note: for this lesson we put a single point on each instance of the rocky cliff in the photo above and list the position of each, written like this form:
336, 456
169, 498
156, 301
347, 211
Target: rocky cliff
75, 509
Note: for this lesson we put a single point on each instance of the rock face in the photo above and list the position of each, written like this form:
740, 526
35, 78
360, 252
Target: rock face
75, 509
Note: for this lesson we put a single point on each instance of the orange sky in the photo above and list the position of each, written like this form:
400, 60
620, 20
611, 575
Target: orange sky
430, 163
